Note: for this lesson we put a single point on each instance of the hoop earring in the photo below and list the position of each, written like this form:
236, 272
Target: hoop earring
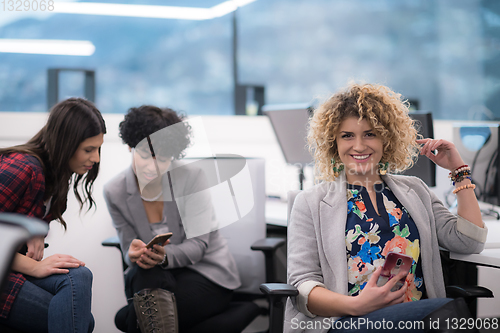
336, 170
382, 168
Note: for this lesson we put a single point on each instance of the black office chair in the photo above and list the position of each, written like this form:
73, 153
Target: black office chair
15, 230
278, 293
242, 310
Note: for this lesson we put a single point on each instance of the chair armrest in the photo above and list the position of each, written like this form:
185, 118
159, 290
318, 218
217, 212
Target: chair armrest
113, 241
279, 289
268, 244
277, 293
468, 292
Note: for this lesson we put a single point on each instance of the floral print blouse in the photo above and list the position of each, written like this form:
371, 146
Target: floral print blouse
369, 237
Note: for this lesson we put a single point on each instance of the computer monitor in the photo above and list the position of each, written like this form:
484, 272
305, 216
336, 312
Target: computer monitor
478, 144
289, 122
424, 168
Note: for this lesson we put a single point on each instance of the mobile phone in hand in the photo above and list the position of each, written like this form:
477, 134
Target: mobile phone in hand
159, 239
393, 265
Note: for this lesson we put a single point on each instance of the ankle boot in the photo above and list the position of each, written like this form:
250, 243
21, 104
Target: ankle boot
451, 317
156, 311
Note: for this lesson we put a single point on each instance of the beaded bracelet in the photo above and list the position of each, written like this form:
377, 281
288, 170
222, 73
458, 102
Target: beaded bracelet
463, 187
460, 173
462, 167
461, 177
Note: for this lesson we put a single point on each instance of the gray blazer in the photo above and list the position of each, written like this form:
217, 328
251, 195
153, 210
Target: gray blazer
207, 254
317, 247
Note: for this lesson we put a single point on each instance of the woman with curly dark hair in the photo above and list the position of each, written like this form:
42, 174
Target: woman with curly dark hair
35, 177
160, 194
342, 231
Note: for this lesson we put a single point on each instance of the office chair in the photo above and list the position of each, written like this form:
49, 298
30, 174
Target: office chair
242, 311
277, 293
244, 236
15, 230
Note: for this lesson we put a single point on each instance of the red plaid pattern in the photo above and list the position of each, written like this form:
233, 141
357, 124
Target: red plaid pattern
14, 283
22, 188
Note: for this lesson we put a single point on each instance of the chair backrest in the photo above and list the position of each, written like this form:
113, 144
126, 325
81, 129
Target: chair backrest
291, 195
250, 227
240, 214
237, 189
15, 230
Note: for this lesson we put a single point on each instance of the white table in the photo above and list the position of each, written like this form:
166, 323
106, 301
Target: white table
489, 257
276, 211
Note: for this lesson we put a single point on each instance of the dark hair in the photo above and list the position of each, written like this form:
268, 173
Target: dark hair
147, 121
70, 122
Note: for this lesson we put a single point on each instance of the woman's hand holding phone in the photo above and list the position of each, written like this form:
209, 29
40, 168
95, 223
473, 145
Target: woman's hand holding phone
373, 297
144, 257
395, 263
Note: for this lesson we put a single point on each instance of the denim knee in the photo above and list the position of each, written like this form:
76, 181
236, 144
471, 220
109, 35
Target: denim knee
82, 274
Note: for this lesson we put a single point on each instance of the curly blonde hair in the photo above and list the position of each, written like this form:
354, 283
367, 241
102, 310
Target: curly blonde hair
385, 111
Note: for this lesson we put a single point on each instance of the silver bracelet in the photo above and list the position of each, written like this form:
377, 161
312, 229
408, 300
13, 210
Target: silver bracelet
164, 262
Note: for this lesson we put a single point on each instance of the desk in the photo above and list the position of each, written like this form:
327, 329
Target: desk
489, 257
488, 264
276, 212
493, 238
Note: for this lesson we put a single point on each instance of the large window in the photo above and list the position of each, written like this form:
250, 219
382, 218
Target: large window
178, 63
443, 53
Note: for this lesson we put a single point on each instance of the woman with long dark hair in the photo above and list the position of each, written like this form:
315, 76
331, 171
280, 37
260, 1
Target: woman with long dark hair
35, 178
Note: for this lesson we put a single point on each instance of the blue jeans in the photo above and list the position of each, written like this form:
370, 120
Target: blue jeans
403, 317
59, 303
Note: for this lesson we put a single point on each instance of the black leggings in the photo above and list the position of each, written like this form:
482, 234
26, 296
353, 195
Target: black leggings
197, 297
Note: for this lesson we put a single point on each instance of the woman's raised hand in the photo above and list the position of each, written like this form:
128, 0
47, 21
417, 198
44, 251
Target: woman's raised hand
55, 264
447, 155
372, 297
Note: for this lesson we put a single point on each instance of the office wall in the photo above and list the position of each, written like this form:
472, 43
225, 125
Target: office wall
247, 136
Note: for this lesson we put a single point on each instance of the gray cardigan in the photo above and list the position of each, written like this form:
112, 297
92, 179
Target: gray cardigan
317, 248
207, 254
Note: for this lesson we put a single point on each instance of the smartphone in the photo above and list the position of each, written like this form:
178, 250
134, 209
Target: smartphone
159, 239
393, 265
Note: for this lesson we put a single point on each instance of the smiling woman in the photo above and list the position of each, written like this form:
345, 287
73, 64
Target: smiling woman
34, 181
346, 227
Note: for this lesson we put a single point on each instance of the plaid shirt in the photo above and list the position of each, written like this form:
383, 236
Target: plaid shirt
22, 188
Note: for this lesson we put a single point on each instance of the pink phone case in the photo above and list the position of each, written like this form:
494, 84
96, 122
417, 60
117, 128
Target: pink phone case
395, 263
